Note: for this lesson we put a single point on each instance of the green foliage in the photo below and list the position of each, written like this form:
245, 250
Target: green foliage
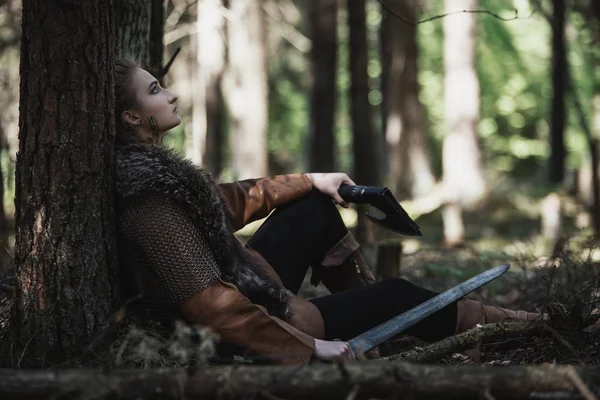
175, 138
288, 107
513, 66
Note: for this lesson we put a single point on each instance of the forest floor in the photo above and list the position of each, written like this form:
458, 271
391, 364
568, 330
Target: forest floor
561, 279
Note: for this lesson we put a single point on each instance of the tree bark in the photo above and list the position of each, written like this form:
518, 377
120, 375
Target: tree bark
389, 259
364, 146
65, 242
155, 39
409, 166
206, 144
132, 22
246, 89
323, 59
559, 89
373, 379
463, 179
4, 230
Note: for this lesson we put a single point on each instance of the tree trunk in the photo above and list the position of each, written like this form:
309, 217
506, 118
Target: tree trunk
463, 177
595, 184
140, 30
323, 59
389, 259
206, 147
365, 380
132, 22
364, 146
155, 40
409, 171
65, 243
246, 88
4, 231
559, 88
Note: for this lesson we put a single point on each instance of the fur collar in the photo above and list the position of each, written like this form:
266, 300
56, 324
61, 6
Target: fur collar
142, 169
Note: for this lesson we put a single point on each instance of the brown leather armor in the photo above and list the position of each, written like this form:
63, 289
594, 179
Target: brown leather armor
168, 260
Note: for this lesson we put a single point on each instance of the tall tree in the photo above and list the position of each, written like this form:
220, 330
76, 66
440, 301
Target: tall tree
323, 59
132, 20
246, 88
65, 251
409, 166
155, 37
4, 231
140, 30
206, 145
364, 146
463, 176
559, 89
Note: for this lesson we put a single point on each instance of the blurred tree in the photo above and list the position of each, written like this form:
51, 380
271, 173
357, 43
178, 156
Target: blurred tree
65, 244
323, 58
245, 88
559, 89
364, 145
462, 171
4, 231
10, 37
207, 126
410, 172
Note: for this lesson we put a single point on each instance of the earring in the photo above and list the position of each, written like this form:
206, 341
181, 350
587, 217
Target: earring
138, 123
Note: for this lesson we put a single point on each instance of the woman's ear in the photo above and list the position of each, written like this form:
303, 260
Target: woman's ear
131, 118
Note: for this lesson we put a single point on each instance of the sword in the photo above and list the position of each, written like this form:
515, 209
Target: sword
371, 338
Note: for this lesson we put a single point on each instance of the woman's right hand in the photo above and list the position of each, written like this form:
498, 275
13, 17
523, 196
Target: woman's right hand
333, 351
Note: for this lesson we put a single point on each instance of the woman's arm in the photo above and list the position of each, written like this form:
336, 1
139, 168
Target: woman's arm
187, 271
253, 199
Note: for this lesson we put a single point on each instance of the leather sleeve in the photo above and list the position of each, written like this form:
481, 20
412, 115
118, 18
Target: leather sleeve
187, 271
253, 199
238, 321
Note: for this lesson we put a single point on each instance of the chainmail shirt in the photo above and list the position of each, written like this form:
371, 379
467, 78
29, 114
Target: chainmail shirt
163, 256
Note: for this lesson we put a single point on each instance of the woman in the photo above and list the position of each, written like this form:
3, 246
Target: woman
177, 247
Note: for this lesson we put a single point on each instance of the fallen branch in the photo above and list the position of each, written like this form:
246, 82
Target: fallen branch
468, 339
578, 383
357, 380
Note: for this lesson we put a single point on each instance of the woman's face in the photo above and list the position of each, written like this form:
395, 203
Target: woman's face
156, 108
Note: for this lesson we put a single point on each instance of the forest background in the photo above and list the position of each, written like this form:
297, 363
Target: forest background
484, 123
515, 145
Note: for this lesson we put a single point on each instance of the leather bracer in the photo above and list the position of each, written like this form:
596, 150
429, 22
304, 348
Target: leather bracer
253, 199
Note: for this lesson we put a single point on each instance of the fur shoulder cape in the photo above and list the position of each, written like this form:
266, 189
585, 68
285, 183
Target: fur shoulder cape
143, 169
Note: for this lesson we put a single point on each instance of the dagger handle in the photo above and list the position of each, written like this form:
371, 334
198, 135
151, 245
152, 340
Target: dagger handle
359, 194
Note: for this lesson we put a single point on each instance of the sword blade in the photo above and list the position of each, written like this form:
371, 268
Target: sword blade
371, 338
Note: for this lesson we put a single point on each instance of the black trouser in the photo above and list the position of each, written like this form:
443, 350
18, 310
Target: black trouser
299, 235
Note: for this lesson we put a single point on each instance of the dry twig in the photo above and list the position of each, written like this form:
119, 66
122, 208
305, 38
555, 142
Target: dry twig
579, 384
400, 17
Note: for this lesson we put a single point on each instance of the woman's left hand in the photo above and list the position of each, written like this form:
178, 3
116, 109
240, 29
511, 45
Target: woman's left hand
329, 183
